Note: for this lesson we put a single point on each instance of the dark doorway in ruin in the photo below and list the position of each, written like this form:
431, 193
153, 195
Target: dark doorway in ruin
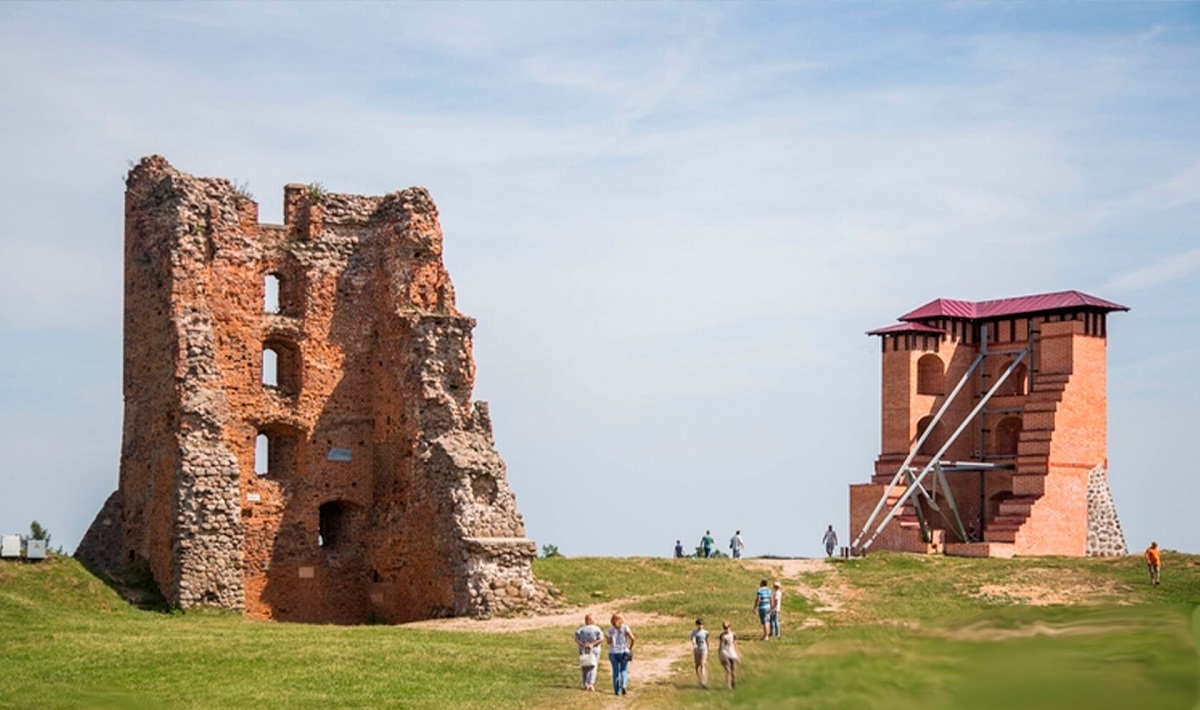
334, 524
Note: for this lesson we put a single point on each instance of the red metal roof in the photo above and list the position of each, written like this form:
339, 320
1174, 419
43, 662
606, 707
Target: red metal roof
907, 328
1020, 305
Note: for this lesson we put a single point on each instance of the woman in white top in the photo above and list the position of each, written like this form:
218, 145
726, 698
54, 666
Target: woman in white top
776, 605
587, 638
620, 652
729, 654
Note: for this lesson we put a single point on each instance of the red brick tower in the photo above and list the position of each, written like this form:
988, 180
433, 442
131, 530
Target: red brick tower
1007, 398
300, 441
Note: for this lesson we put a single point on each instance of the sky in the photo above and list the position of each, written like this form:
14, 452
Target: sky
674, 223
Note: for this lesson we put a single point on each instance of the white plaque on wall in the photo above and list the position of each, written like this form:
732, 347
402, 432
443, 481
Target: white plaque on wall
337, 454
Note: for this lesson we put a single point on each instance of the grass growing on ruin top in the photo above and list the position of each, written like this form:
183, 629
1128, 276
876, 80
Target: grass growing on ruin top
887, 631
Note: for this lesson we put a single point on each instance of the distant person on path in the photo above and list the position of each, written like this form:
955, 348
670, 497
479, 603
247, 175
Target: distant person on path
776, 605
620, 652
706, 543
830, 541
728, 652
736, 545
1153, 561
762, 604
700, 652
588, 638
678, 549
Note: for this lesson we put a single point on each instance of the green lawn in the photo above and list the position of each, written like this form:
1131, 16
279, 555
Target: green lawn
914, 632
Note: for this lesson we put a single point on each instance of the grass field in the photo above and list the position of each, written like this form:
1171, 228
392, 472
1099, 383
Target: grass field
887, 631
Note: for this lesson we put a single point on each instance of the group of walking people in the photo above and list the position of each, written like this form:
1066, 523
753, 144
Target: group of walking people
589, 638
619, 638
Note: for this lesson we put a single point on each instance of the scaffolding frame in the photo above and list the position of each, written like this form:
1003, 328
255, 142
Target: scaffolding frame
905, 472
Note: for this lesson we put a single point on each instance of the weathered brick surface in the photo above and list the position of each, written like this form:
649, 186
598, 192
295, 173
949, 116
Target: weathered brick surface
384, 496
1048, 420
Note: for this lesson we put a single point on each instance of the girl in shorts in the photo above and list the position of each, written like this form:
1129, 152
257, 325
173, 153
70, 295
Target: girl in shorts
700, 652
728, 652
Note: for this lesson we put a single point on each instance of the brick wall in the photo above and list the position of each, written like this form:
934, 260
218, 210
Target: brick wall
1047, 422
383, 495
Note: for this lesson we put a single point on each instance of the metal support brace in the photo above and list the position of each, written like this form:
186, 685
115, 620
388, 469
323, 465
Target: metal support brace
937, 457
916, 447
941, 475
925, 536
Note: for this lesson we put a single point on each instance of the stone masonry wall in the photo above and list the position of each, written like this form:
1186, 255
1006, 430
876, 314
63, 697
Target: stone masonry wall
1105, 537
381, 494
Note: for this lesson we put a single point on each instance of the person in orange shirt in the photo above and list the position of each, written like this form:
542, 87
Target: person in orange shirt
1153, 561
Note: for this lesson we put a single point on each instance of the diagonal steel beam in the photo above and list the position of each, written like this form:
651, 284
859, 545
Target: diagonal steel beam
916, 447
938, 456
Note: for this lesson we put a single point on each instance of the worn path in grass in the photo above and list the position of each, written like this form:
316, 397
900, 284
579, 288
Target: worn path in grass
831, 597
655, 660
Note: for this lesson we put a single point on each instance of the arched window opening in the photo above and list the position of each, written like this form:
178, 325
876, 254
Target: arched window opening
275, 452
1014, 384
936, 437
262, 455
334, 524
930, 377
283, 292
270, 367
1020, 378
1008, 435
271, 293
281, 366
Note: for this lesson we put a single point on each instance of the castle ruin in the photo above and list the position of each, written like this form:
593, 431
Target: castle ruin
994, 431
299, 438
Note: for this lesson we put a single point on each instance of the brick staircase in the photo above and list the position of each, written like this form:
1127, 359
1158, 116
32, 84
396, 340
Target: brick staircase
1033, 456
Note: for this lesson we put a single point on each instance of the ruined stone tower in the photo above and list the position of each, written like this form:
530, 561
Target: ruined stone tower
1027, 471
299, 437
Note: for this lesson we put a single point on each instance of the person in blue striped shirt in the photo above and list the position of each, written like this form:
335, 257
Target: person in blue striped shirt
762, 604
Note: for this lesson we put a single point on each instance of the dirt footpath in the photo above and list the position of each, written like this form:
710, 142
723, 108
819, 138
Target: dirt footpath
654, 661
566, 618
831, 597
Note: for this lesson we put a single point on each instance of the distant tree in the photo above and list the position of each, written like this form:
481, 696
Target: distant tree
37, 532
549, 551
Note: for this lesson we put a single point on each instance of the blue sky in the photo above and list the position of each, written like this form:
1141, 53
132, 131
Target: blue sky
673, 222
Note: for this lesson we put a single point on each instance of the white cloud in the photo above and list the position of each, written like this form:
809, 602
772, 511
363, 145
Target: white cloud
1171, 268
1182, 188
